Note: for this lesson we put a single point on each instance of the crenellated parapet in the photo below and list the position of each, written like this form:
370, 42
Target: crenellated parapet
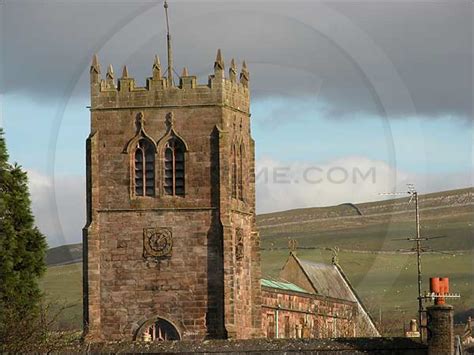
231, 91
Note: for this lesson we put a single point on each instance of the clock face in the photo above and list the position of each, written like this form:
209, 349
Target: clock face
157, 242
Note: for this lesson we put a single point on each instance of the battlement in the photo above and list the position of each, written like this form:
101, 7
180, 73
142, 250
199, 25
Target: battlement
159, 91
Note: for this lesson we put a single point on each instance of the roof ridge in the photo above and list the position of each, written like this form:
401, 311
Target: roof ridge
315, 263
359, 301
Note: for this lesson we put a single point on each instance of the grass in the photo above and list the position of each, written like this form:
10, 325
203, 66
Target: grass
63, 288
385, 281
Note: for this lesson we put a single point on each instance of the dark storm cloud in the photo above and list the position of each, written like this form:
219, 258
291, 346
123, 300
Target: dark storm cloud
402, 59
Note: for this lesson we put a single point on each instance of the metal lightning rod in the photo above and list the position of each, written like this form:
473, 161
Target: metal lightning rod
170, 49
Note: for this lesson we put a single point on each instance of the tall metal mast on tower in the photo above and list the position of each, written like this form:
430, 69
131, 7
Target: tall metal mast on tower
170, 49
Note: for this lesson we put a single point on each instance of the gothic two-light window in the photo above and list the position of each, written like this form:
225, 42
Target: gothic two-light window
174, 174
144, 168
170, 163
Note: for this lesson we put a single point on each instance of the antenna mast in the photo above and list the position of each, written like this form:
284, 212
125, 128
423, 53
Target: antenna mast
170, 49
414, 196
418, 239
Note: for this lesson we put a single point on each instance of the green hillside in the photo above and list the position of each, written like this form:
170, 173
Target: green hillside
382, 275
448, 213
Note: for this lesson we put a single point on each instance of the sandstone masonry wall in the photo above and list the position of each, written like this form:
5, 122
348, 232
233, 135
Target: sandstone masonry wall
208, 285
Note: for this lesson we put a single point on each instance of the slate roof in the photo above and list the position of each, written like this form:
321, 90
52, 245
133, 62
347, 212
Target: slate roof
327, 280
330, 280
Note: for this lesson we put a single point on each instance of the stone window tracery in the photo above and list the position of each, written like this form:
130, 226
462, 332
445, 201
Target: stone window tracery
174, 169
144, 168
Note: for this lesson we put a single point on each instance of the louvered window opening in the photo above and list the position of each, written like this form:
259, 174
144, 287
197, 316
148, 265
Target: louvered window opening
174, 168
144, 169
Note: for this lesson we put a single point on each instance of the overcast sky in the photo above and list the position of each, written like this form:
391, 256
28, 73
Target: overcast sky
379, 88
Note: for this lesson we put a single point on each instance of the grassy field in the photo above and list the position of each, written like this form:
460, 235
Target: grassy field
63, 287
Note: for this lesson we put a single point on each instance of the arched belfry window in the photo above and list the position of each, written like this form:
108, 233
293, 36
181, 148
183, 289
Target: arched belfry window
174, 169
173, 148
144, 168
142, 150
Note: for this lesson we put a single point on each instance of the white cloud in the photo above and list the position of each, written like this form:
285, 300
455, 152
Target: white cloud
282, 186
59, 206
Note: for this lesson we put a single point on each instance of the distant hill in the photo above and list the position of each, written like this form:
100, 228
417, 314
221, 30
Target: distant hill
370, 226
65, 254
444, 199
373, 226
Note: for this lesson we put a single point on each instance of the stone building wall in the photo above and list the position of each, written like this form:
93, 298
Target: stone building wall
287, 314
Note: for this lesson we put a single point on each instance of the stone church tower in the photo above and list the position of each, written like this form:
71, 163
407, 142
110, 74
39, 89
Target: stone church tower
171, 249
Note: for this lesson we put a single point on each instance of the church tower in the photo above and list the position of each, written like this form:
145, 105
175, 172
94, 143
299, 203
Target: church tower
171, 249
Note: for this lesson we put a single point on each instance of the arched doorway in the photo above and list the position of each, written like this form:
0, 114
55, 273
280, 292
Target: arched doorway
158, 329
